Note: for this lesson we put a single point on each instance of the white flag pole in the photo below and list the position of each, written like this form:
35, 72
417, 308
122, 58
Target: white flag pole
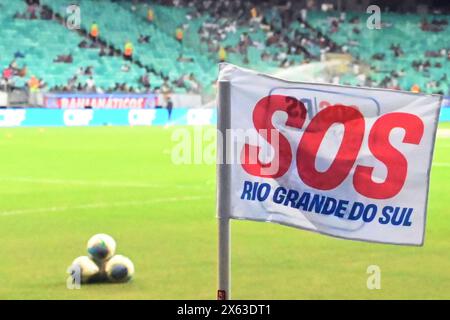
223, 192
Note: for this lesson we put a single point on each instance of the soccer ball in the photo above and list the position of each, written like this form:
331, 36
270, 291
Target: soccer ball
119, 269
84, 269
101, 247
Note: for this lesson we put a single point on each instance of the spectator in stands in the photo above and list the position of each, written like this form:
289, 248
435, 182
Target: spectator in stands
88, 71
265, 56
431, 85
63, 58
150, 15
179, 34
394, 84
19, 15
396, 49
123, 87
125, 67
32, 6
14, 67
256, 18
272, 38
102, 52
415, 88
431, 27
46, 13
7, 75
19, 54
3, 85
193, 83
72, 82
432, 53
165, 88
116, 87
143, 38
182, 58
80, 71
33, 88
90, 85
83, 44
169, 106
94, 33
245, 40
180, 82
222, 54
112, 52
23, 71
144, 80
128, 51
253, 12
356, 30
334, 25
106, 51
303, 14
378, 56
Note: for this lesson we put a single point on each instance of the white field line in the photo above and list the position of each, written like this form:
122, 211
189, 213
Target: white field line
105, 184
100, 205
443, 133
441, 164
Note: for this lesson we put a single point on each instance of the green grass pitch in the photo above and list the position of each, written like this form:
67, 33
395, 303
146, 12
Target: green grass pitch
59, 186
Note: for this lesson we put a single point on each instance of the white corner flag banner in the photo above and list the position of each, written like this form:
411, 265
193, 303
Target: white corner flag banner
349, 162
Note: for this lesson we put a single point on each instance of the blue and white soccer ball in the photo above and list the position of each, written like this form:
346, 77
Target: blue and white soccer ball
84, 269
119, 269
101, 247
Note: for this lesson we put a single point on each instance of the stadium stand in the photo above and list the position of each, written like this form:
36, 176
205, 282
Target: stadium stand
177, 44
52, 53
406, 51
160, 54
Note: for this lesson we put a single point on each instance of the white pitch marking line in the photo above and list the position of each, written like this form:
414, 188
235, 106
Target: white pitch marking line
441, 164
101, 205
112, 184
443, 133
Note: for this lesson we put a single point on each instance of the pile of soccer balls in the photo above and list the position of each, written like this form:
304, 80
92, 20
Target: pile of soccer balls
102, 265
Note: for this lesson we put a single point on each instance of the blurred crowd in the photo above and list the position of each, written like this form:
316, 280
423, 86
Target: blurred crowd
226, 17
280, 44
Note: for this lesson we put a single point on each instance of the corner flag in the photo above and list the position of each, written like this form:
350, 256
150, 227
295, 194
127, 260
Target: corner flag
349, 162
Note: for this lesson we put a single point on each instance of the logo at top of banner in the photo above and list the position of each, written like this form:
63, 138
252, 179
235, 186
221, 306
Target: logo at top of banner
317, 99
